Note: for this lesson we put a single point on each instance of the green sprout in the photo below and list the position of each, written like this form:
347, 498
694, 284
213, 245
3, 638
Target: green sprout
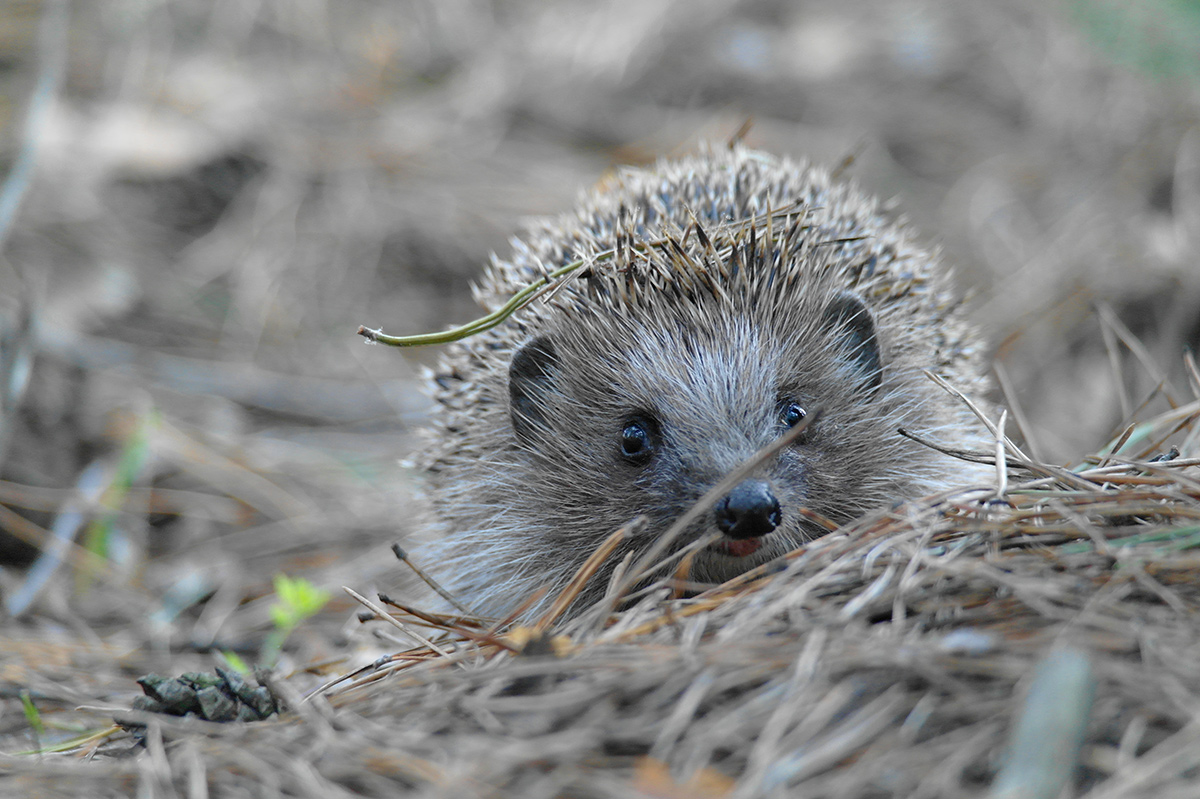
235, 662
32, 715
298, 599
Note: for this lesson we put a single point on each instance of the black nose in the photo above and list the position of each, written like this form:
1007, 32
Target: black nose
748, 511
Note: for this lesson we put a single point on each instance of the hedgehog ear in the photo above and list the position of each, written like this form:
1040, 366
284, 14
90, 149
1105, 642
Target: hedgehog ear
531, 377
848, 315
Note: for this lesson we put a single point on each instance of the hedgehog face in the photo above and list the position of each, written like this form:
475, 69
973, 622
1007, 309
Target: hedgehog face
721, 299
656, 411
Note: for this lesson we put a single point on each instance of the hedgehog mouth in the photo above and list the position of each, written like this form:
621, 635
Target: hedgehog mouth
736, 547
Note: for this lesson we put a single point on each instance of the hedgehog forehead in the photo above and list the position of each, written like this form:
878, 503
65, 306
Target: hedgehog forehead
717, 368
699, 272
713, 359
758, 305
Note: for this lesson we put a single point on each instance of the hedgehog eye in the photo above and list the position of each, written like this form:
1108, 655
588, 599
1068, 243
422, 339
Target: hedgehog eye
792, 414
638, 441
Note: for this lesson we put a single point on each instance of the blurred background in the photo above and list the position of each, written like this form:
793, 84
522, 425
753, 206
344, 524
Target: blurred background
223, 190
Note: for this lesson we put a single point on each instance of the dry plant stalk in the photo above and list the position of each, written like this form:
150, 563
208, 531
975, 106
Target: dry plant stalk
977, 586
893, 657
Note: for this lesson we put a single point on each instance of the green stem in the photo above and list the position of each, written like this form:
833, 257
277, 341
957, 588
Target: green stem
518, 301
525, 295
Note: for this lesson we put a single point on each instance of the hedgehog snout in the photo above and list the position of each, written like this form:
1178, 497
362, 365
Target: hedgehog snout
750, 510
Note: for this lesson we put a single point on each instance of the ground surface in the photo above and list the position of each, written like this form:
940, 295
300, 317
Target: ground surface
223, 192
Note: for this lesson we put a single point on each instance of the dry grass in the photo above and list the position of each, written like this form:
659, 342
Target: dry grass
224, 192
891, 658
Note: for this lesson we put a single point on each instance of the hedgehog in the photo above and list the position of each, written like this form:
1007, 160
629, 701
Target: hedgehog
718, 301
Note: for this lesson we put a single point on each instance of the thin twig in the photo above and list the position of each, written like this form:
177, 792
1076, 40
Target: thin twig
404, 558
1114, 365
585, 573
1134, 344
530, 292
382, 613
705, 502
1018, 412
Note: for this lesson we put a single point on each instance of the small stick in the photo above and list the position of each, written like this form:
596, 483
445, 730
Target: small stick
390, 619
740, 134
585, 573
515, 303
975, 409
429, 581
527, 294
1189, 363
458, 626
1001, 471
681, 577
438, 620
1134, 344
532, 600
961, 454
848, 159
1010, 399
711, 496
1172, 468
813, 516
1157, 445
1114, 365
1116, 446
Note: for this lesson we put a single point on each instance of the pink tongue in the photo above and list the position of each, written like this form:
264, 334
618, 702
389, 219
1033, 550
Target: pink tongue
740, 548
